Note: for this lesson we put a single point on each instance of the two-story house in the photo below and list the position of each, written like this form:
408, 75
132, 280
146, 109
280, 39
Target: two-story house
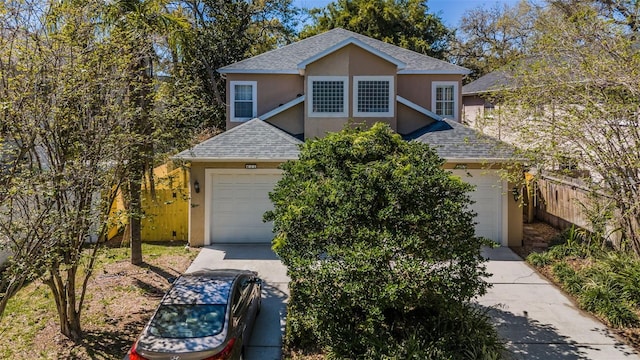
303, 90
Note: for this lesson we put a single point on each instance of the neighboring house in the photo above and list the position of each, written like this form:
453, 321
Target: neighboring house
559, 194
480, 109
317, 85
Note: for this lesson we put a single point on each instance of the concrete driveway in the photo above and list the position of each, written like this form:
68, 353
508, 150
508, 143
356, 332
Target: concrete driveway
266, 339
540, 322
536, 320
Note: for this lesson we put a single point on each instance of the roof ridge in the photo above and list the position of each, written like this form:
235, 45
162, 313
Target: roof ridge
283, 47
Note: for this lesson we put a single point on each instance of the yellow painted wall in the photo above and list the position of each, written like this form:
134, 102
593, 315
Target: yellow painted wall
166, 216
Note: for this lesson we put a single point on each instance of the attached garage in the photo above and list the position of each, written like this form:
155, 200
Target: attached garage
490, 203
232, 174
238, 200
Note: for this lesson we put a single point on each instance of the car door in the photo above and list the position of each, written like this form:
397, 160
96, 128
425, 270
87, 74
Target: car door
239, 308
252, 292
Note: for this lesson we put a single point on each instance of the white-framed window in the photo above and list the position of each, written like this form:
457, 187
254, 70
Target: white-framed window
373, 96
244, 100
445, 99
328, 96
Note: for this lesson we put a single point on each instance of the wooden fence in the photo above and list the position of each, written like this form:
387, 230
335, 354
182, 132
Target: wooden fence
563, 202
165, 211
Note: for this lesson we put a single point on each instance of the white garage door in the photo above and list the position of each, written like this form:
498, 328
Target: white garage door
488, 197
238, 202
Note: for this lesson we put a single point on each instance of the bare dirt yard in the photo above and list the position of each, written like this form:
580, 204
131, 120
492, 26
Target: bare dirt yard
120, 300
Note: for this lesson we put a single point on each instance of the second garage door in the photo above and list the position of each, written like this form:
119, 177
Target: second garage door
489, 198
238, 202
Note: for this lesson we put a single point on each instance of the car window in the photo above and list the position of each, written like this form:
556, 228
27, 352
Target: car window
240, 294
187, 321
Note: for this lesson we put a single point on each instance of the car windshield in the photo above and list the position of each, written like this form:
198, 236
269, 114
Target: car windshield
187, 321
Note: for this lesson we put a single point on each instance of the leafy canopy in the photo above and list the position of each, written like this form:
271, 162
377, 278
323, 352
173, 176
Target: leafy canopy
371, 226
406, 23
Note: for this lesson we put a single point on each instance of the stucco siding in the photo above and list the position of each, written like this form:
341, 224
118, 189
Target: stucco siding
290, 120
273, 90
515, 218
410, 120
417, 88
472, 108
349, 61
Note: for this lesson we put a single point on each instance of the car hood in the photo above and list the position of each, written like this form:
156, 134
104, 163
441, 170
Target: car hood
154, 344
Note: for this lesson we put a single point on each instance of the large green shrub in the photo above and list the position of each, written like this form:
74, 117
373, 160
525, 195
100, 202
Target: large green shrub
375, 235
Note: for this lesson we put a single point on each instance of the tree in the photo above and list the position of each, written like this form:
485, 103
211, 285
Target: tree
134, 25
406, 23
625, 13
379, 243
578, 100
489, 39
224, 32
62, 147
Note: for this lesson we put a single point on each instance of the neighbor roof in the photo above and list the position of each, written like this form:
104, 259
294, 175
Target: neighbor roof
253, 140
456, 142
495, 80
288, 59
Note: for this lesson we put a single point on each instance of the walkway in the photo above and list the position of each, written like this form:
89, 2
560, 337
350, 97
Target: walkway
538, 320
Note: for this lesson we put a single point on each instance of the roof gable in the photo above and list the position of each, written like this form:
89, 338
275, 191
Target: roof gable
252, 140
289, 58
344, 43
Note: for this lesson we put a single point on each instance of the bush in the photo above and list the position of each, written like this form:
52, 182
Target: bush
375, 234
609, 293
569, 278
539, 259
608, 284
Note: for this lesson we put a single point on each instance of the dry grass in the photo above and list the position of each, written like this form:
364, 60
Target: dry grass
120, 299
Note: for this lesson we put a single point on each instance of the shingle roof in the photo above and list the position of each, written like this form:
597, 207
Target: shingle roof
454, 141
253, 140
285, 60
492, 81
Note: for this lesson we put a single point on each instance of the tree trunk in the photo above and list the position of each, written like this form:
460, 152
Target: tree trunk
135, 214
141, 151
64, 297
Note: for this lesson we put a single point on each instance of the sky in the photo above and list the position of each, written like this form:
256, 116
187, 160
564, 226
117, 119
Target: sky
450, 11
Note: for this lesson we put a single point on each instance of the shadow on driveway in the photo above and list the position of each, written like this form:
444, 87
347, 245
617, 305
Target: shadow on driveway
266, 340
532, 340
537, 321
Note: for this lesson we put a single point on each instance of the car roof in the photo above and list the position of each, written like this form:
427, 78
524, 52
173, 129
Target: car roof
203, 287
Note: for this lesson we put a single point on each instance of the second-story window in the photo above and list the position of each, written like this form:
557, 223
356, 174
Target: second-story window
328, 96
244, 102
445, 99
373, 96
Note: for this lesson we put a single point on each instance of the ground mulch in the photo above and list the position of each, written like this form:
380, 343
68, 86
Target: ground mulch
121, 298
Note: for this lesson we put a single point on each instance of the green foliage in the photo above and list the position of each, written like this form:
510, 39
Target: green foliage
406, 23
583, 67
371, 226
489, 39
570, 279
225, 31
604, 281
539, 259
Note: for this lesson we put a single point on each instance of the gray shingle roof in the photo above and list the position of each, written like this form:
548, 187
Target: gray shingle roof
287, 58
459, 142
495, 80
253, 140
